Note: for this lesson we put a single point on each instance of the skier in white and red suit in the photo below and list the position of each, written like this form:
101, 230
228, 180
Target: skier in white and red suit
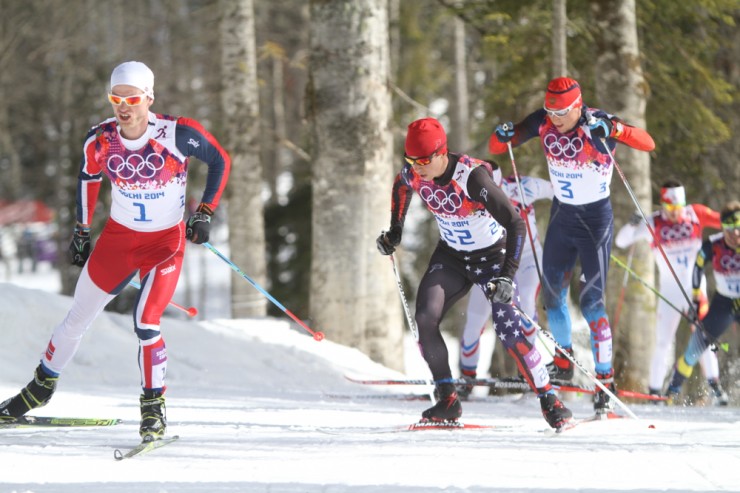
145, 157
678, 228
722, 252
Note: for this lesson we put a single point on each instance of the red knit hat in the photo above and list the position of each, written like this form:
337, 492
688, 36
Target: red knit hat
425, 137
561, 93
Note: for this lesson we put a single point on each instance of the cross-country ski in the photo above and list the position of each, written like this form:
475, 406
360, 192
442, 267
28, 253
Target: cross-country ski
57, 422
144, 447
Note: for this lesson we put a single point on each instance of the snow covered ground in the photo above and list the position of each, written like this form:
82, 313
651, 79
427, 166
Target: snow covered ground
261, 407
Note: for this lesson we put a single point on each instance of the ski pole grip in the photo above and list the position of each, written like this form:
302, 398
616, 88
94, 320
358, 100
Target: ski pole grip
490, 290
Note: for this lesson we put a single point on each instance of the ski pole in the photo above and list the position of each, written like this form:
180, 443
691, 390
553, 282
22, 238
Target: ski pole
318, 335
192, 311
523, 205
653, 234
409, 319
565, 353
625, 279
697, 322
722, 345
628, 270
406, 310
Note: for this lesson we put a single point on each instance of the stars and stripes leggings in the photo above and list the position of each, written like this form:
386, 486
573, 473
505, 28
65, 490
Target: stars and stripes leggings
448, 278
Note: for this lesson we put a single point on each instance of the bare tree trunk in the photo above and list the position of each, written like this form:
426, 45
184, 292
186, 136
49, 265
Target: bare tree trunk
394, 34
460, 131
559, 39
352, 293
280, 157
241, 109
12, 183
621, 87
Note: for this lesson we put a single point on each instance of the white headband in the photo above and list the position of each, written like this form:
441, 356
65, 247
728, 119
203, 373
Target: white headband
673, 195
134, 74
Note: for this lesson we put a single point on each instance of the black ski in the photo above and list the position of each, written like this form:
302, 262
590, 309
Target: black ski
505, 383
386, 396
501, 383
55, 421
419, 426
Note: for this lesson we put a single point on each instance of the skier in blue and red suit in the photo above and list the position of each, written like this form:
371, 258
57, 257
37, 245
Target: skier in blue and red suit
573, 138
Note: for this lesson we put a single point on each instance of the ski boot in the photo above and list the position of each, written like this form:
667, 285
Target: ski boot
561, 367
681, 371
153, 419
36, 394
464, 390
555, 413
719, 396
671, 396
448, 408
602, 401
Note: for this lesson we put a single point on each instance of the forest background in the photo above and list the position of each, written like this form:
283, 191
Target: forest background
312, 100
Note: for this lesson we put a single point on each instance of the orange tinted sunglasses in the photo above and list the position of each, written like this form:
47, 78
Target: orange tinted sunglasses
134, 100
672, 207
422, 161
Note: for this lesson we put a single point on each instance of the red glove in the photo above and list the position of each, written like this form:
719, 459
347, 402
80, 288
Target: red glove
701, 304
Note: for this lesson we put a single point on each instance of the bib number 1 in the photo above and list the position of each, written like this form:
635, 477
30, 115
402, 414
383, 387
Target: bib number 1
142, 213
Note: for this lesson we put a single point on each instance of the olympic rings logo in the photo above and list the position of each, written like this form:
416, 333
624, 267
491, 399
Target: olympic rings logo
679, 231
730, 262
439, 201
563, 146
136, 165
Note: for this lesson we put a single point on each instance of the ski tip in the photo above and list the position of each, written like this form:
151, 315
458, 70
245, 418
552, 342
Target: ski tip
445, 425
566, 425
166, 438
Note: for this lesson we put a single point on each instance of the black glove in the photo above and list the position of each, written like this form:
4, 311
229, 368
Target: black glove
198, 227
600, 128
500, 290
635, 218
505, 132
79, 249
389, 240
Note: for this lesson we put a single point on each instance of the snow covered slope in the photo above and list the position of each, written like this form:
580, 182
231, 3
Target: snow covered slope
260, 407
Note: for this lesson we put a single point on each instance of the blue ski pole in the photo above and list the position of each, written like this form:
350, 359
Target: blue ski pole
318, 335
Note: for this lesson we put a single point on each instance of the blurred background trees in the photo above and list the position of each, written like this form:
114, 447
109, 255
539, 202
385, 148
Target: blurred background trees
470, 63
